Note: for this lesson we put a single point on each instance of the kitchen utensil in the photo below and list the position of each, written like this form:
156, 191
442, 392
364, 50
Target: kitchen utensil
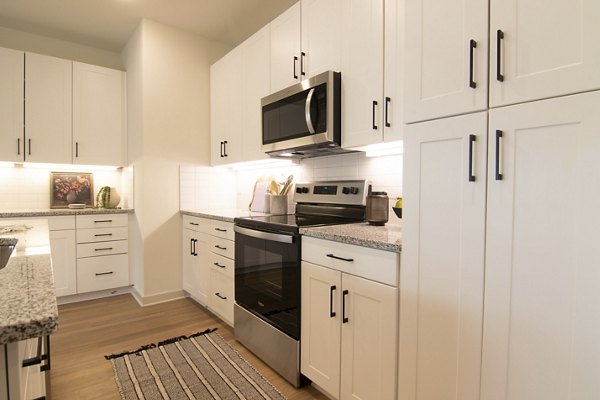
378, 204
287, 185
273, 187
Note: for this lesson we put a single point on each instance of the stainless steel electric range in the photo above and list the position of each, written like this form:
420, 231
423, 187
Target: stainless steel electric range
268, 269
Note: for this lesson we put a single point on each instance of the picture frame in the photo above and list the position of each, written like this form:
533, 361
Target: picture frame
71, 188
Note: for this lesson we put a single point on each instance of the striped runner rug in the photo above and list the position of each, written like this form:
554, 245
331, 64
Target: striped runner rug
199, 366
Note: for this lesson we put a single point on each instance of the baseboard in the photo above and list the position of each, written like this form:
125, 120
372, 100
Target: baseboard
156, 298
94, 295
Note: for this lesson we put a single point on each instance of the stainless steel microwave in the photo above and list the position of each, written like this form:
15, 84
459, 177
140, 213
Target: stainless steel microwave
304, 120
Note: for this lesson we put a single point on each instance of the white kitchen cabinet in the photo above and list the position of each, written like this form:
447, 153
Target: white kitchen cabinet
322, 29
285, 31
12, 63
48, 105
440, 79
393, 119
349, 319
547, 49
195, 263
442, 275
102, 252
97, 115
24, 382
226, 108
64, 256
541, 327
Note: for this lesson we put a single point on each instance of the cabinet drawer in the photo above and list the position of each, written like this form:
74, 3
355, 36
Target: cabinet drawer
221, 296
102, 248
222, 264
222, 229
377, 265
61, 223
102, 220
196, 223
101, 234
104, 272
221, 246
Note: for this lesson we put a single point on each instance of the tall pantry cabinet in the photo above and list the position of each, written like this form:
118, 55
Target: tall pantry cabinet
499, 293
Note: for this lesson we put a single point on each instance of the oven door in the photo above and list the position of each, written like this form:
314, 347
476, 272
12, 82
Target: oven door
267, 277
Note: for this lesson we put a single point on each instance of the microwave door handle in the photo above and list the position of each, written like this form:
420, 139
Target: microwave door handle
309, 123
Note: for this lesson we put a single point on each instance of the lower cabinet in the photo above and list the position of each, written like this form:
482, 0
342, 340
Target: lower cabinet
24, 369
208, 259
63, 248
349, 319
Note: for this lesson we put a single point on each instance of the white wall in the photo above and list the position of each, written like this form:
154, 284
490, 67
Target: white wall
169, 123
20, 40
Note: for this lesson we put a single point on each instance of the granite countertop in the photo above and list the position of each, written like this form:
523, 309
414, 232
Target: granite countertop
387, 237
226, 215
50, 212
27, 301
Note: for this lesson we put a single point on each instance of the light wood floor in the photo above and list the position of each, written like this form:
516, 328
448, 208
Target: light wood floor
89, 330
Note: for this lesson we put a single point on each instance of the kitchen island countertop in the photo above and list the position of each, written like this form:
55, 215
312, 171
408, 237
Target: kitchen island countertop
27, 300
387, 237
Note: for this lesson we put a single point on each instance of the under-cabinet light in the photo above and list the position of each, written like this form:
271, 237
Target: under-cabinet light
4, 164
70, 167
267, 163
385, 149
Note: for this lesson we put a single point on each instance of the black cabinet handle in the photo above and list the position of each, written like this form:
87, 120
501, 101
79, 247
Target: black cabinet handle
498, 137
340, 258
100, 221
195, 241
104, 273
102, 234
302, 56
221, 297
225, 149
221, 148
76, 149
220, 230
295, 61
472, 139
29, 141
18, 146
387, 113
374, 106
344, 318
331, 312
473, 46
191, 247
194, 223
219, 265
104, 249
499, 37
220, 247
28, 362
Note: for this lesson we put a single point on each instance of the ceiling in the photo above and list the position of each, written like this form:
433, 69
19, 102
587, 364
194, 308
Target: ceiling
108, 24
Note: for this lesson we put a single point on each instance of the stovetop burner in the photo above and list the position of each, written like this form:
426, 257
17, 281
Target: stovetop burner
289, 222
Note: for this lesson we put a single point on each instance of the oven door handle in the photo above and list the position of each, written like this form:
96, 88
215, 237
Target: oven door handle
264, 235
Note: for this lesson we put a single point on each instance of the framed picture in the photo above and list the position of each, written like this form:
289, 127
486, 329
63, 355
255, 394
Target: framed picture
71, 188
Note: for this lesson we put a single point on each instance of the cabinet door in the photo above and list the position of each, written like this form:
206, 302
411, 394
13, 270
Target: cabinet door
226, 108
285, 49
11, 105
321, 36
320, 327
201, 274
393, 70
48, 95
64, 265
369, 339
547, 50
257, 84
442, 274
437, 58
362, 66
97, 115
541, 294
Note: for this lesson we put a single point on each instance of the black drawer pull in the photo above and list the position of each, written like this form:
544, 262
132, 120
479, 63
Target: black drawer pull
102, 234
472, 139
220, 247
340, 258
219, 265
295, 61
344, 318
220, 230
331, 312
498, 137
104, 273
499, 37
221, 297
473, 46
104, 249
103, 221
194, 223
18, 147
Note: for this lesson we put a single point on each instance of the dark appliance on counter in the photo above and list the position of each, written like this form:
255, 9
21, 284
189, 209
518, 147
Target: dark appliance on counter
304, 120
268, 272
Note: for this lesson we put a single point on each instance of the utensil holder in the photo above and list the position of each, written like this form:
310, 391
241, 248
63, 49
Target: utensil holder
278, 204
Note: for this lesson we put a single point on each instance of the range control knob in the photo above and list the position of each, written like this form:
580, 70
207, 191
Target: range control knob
354, 190
298, 189
345, 190
304, 190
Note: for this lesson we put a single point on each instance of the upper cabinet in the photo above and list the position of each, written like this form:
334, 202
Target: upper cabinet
305, 41
238, 82
445, 58
97, 115
12, 64
59, 111
48, 109
539, 53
